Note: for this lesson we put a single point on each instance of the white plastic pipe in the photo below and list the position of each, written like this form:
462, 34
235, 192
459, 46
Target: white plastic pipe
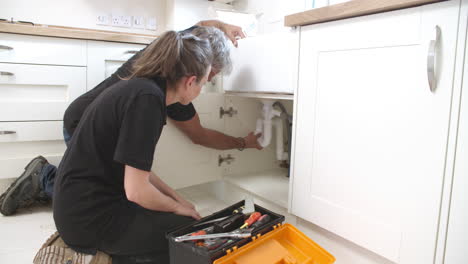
265, 126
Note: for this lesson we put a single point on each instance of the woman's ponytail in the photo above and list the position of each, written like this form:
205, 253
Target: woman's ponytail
173, 56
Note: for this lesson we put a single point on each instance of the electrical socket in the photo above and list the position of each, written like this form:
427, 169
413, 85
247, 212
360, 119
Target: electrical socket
126, 21
138, 22
115, 21
103, 19
151, 23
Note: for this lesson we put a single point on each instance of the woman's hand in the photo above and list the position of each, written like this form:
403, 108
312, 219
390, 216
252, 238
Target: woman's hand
185, 203
251, 141
185, 211
232, 32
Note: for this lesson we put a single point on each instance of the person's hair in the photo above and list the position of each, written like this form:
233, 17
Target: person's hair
219, 44
173, 56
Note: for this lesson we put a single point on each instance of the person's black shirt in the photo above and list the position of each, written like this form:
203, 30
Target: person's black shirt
74, 112
121, 126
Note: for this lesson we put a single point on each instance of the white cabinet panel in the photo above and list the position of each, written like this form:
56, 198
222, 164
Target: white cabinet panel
31, 131
178, 161
371, 136
104, 58
38, 92
265, 63
16, 48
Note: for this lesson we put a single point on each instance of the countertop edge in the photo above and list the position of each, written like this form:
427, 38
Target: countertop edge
76, 33
350, 9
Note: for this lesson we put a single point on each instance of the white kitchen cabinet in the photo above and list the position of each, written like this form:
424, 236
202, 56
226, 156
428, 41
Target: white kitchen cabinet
104, 58
39, 78
16, 48
38, 92
371, 136
264, 64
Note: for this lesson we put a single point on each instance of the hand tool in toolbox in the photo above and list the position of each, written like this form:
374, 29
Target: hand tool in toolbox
252, 219
261, 221
229, 224
215, 243
239, 233
236, 211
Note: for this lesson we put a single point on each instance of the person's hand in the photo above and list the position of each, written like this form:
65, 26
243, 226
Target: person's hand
232, 32
185, 203
251, 141
185, 211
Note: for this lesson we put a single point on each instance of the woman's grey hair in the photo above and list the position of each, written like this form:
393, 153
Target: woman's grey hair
219, 45
174, 55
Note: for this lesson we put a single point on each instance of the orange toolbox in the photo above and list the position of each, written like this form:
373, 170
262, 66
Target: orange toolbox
270, 242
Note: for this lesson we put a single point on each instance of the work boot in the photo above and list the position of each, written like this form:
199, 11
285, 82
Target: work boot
25, 190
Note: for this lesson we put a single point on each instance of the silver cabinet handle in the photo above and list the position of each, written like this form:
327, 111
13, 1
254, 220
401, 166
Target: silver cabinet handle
4, 73
131, 52
7, 132
431, 60
5, 47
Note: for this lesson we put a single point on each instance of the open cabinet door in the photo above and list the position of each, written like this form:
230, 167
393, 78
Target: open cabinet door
181, 163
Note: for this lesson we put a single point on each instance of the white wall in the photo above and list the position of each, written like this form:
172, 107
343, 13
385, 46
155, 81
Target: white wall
273, 12
182, 14
83, 13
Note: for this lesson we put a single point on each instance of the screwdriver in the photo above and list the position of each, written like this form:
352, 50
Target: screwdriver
252, 219
261, 221
229, 224
198, 233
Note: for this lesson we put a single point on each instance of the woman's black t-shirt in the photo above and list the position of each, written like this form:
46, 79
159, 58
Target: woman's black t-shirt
121, 126
75, 110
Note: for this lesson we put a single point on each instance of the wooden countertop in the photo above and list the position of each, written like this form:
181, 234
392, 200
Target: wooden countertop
349, 9
75, 33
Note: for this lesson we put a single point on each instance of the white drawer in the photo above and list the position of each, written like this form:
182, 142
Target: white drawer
42, 50
30, 131
104, 58
38, 92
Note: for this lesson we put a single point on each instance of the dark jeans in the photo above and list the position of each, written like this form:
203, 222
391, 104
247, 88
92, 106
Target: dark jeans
47, 176
144, 240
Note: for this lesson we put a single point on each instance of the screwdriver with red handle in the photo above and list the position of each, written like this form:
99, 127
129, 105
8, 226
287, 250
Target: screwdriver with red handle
261, 221
252, 219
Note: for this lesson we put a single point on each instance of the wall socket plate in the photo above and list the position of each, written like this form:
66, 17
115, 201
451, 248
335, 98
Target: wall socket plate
103, 19
126, 21
138, 22
151, 23
115, 20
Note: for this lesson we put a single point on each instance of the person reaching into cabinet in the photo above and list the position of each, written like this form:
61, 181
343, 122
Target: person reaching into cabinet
36, 183
105, 198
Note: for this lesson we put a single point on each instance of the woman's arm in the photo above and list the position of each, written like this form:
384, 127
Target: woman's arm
214, 139
139, 190
231, 31
167, 190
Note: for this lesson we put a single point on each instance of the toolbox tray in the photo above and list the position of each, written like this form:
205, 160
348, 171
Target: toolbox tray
183, 253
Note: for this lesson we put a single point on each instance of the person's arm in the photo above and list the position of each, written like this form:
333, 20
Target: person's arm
232, 32
167, 190
212, 138
139, 190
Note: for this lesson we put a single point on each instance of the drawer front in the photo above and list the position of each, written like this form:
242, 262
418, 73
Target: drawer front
42, 50
30, 131
38, 92
104, 58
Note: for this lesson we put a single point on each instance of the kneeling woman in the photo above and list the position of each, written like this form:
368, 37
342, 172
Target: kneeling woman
104, 197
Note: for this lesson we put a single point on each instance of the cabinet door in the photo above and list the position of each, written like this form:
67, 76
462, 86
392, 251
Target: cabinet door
371, 135
104, 58
38, 92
